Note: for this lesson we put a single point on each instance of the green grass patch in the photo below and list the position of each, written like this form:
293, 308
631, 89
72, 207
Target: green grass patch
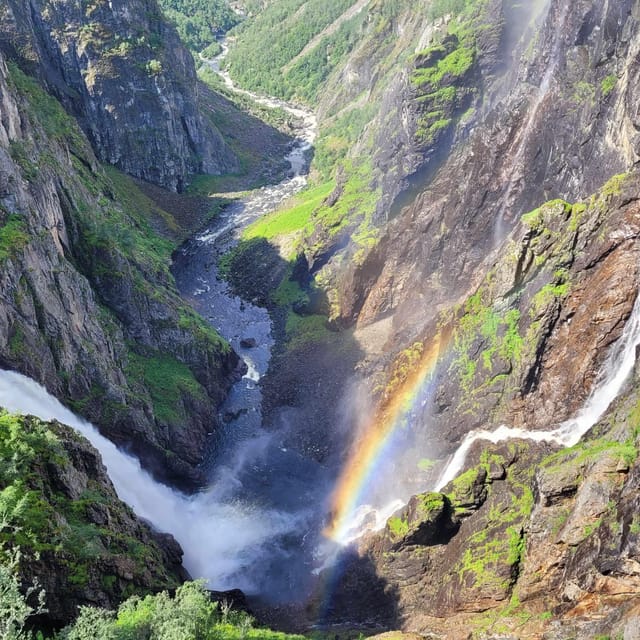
294, 218
13, 237
302, 330
167, 381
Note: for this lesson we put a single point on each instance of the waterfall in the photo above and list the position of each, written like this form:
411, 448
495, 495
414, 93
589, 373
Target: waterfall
517, 154
221, 540
614, 373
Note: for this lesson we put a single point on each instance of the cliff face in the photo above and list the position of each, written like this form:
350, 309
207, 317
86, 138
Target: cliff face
122, 71
89, 308
530, 537
526, 541
77, 539
481, 151
558, 123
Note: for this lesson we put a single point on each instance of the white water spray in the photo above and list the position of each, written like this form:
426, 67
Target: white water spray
615, 372
617, 367
220, 539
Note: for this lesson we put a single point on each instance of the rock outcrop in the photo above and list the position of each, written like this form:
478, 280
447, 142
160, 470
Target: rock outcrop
527, 539
122, 71
78, 541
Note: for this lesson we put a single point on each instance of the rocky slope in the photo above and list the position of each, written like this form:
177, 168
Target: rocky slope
80, 543
89, 308
122, 71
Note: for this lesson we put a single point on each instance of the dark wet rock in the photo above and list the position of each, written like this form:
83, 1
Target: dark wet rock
248, 343
234, 598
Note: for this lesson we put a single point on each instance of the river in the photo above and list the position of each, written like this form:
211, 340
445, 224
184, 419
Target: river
256, 525
268, 486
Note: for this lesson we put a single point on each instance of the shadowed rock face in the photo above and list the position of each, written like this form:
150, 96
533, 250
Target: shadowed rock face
549, 126
123, 72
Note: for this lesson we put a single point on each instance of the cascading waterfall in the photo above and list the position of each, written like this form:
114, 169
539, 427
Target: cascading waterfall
230, 531
220, 540
517, 151
617, 367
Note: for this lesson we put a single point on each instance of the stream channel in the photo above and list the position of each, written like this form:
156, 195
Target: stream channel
271, 490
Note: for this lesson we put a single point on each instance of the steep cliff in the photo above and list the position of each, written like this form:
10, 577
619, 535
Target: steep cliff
122, 71
89, 308
563, 126
442, 135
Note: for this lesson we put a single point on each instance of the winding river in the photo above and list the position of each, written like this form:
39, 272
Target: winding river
268, 485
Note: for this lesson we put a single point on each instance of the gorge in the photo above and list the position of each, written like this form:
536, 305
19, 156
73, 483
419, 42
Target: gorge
365, 349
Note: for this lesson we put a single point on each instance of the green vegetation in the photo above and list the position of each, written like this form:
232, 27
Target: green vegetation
550, 292
589, 451
403, 365
47, 111
440, 78
13, 237
16, 607
265, 58
498, 331
338, 135
439, 8
199, 22
425, 464
455, 64
295, 217
168, 382
188, 614
327, 207
45, 517
303, 330
398, 527
497, 547
608, 84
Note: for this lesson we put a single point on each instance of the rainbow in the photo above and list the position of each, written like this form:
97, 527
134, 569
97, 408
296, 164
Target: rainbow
371, 448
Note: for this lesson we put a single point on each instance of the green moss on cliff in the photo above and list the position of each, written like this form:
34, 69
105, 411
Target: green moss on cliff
496, 331
55, 509
47, 111
13, 237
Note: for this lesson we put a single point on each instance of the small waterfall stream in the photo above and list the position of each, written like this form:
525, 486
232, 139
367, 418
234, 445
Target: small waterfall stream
615, 372
519, 146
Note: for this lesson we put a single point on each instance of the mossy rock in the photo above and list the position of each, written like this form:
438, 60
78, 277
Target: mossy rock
427, 520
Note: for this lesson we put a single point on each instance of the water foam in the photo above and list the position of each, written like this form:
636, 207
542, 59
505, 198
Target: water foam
221, 539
